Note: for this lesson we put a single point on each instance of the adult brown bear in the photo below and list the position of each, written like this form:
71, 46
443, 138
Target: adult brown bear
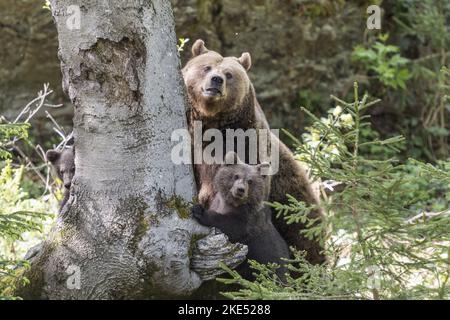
222, 97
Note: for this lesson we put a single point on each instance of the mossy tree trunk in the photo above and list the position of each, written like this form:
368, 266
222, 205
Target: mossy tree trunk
120, 232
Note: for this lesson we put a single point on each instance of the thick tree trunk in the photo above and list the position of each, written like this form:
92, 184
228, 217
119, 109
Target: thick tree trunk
126, 231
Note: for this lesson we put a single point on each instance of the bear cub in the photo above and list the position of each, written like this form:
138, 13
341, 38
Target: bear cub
238, 211
64, 164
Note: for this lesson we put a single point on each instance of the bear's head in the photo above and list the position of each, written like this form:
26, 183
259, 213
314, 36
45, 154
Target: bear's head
214, 83
239, 183
64, 164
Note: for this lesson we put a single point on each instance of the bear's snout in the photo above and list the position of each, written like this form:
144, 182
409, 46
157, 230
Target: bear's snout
214, 86
240, 190
67, 180
217, 80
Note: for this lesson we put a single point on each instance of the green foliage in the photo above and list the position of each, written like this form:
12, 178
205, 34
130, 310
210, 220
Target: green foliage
22, 218
47, 5
422, 192
385, 61
381, 238
315, 9
422, 33
14, 220
182, 43
426, 20
9, 131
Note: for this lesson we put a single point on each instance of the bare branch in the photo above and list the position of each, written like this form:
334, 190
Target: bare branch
426, 215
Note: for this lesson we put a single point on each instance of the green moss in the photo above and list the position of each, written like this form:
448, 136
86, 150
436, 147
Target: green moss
142, 227
30, 282
194, 239
9, 282
137, 206
180, 206
60, 235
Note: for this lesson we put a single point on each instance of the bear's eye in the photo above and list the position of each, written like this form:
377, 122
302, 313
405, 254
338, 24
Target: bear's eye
236, 176
250, 181
229, 75
207, 68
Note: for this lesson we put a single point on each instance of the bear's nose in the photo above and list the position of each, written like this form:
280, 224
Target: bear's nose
241, 190
217, 80
67, 185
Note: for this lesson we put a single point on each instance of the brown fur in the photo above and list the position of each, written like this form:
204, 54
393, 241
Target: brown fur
238, 175
64, 164
236, 107
238, 210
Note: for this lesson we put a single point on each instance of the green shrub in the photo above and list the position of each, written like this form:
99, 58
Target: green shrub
385, 61
22, 218
382, 240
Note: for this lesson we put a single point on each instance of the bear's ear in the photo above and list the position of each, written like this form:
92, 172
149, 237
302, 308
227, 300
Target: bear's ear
246, 60
263, 168
232, 158
198, 48
52, 155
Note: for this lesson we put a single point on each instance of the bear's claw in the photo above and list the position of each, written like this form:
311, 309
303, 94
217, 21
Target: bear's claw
197, 211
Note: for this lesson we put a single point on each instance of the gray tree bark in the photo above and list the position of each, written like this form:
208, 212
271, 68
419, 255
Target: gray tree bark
126, 230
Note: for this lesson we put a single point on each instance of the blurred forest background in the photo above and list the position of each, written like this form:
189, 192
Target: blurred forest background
302, 51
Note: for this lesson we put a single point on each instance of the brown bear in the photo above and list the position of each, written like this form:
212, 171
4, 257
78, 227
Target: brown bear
222, 97
238, 210
64, 164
